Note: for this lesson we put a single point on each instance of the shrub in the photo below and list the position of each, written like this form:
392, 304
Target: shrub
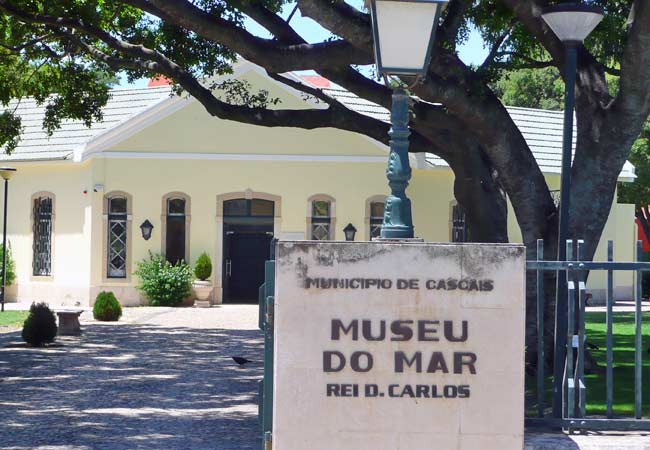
163, 283
40, 326
203, 267
11, 265
106, 307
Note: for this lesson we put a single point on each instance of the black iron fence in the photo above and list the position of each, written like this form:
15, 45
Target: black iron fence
572, 392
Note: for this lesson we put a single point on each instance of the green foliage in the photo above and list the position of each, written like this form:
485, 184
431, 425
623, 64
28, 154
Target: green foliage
40, 326
11, 265
532, 88
163, 283
239, 92
106, 307
203, 267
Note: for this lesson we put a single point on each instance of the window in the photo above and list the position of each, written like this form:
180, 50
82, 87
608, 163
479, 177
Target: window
175, 230
42, 228
321, 220
376, 219
242, 207
459, 228
117, 236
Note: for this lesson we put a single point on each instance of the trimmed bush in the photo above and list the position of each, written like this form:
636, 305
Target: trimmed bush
11, 265
106, 307
40, 326
203, 267
163, 283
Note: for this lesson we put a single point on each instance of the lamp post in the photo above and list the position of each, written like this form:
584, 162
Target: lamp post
571, 23
403, 32
6, 173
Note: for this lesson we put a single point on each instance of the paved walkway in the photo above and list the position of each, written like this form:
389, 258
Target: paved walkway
162, 380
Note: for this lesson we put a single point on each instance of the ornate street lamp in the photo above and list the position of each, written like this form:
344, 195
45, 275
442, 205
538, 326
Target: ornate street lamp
146, 228
571, 23
350, 231
403, 31
6, 173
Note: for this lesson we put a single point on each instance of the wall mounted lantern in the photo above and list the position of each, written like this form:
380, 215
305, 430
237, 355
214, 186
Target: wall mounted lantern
146, 228
350, 231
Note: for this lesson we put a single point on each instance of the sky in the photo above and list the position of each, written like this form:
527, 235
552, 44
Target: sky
471, 52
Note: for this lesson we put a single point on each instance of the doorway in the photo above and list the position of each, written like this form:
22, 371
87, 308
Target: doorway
247, 235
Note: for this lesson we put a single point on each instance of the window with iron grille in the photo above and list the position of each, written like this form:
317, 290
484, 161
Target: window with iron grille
42, 244
175, 238
459, 229
117, 237
376, 219
321, 220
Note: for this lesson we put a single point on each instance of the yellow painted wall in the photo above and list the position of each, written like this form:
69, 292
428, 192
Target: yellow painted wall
193, 130
71, 231
79, 220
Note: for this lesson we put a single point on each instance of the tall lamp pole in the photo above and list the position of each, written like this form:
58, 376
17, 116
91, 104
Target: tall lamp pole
403, 32
571, 23
6, 173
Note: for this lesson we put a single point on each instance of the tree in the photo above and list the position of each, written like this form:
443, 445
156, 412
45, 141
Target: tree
638, 192
454, 113
531, 88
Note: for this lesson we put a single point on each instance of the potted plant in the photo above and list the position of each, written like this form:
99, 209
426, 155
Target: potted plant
10, 287
202, 285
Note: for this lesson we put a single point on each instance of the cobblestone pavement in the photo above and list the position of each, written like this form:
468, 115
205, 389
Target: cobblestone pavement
588, 441
161, 379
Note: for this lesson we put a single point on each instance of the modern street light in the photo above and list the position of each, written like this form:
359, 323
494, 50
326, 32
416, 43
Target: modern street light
404, 32
571, 23
6, 173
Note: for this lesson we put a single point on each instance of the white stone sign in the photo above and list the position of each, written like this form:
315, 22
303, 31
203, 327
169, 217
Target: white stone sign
399, 346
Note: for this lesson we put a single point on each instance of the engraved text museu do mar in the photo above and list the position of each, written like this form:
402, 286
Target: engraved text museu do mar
435, 338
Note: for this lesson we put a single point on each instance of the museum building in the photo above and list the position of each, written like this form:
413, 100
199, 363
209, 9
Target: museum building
83, 201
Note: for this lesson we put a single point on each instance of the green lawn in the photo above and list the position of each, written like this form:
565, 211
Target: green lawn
623, 363
623, 334
12, 318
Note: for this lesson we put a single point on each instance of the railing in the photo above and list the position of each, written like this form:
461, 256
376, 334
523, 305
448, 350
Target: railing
573, 390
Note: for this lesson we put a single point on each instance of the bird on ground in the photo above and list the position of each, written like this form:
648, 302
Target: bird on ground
241, 360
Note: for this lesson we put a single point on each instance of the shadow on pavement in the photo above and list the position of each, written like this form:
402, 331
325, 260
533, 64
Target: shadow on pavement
132, 386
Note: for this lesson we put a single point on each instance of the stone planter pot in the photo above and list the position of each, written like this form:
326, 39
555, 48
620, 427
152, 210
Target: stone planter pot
202, 290
11, 293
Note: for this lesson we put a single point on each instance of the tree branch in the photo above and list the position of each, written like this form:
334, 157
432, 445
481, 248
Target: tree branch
633, 99
341, 19
272, 55
494, 51
453, 20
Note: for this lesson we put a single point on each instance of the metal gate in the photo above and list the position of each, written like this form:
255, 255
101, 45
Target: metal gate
266, 303
570, 394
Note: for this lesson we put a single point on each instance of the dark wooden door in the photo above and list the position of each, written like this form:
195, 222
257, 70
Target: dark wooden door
246, 251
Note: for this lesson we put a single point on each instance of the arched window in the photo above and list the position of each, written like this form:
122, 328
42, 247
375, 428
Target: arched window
459, 229
42, 213
376, 218
117, 231
176, 229
321, 218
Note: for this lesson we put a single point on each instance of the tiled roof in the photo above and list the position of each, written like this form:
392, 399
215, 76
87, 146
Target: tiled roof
35, 144
542, 130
